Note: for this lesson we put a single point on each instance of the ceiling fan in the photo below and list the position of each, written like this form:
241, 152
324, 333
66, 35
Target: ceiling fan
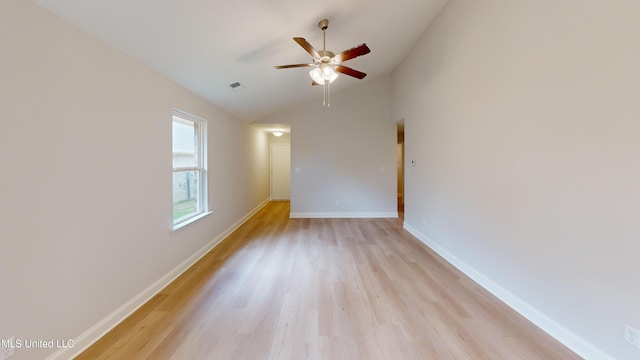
326, 65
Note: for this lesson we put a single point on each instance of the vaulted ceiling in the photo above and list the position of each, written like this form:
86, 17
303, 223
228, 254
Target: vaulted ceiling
206, 45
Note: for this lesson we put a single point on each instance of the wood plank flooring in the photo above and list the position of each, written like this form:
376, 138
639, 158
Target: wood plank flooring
281, 288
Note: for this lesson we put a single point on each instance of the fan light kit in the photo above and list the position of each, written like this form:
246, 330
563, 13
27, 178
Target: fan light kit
326, 65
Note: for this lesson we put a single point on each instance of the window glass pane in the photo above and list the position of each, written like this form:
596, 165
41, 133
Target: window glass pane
189, 170
184, 143
185, 195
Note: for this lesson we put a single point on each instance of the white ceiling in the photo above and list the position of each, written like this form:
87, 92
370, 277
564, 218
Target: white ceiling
205, 45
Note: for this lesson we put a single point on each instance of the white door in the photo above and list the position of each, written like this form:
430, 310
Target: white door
280, 171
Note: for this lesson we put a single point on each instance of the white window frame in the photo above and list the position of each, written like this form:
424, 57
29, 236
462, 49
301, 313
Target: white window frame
200, 126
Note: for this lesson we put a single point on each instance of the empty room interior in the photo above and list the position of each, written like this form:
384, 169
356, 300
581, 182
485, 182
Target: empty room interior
436, 179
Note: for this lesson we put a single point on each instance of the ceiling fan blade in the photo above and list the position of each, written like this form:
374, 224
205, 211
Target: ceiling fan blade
292, 66
305, 44
351, 72
352, 53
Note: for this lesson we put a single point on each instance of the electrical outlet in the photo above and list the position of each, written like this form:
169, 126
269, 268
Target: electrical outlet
7, 348
632, 336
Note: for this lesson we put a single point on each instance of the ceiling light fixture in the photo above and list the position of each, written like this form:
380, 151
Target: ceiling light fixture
324, 72
324, 75
277, 133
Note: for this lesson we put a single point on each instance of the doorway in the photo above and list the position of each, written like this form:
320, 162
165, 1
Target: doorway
280, 171
400, 160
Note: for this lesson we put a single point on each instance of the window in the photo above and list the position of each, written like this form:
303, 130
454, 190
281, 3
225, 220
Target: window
189, 168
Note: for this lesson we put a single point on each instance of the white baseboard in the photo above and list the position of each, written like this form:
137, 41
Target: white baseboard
548, 325
93, 334
342, 215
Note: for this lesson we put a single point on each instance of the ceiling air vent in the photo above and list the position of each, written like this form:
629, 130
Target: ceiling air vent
236, 86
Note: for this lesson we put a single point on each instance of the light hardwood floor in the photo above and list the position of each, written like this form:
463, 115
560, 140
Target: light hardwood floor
281, 288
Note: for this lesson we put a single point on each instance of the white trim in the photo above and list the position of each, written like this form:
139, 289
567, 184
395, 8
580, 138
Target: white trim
97, 331
280, 198
190, 220
186, 116
188, 168
574, 342
342, 215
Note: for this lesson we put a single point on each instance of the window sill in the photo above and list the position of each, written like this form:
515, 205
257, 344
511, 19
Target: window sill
191, 221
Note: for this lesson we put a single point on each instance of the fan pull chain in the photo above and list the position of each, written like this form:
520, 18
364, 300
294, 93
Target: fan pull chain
324, 93
326, 100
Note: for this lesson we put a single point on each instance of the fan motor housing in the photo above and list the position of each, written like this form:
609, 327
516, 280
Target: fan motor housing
326, 56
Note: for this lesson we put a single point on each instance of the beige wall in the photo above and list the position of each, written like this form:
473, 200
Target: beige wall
85, 199
340, 151
522, 117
